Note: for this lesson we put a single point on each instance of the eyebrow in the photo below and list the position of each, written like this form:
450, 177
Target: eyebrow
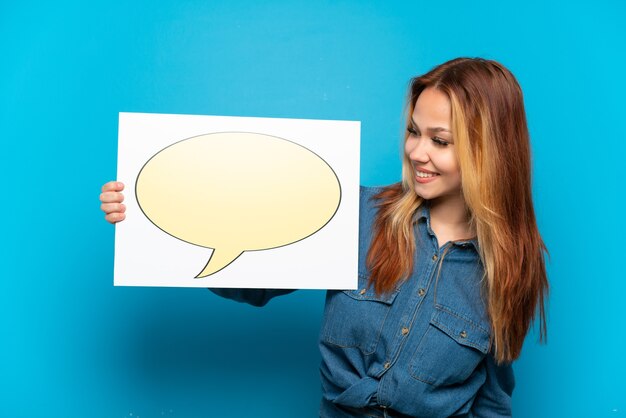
432, 129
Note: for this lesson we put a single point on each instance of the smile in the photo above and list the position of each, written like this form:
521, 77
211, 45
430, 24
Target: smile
423, 175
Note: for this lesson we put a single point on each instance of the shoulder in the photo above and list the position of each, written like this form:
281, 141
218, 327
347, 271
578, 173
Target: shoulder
372, 190
368, 209
367, 203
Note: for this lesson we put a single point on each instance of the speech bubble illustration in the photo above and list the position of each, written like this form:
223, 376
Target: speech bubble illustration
236, 192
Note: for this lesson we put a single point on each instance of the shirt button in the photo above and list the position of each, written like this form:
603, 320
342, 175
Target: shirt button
362, 291
405, 330
387, 365
421, 292
463, 334
435, 257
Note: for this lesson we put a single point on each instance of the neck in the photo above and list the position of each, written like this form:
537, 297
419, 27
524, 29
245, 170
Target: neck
452, 213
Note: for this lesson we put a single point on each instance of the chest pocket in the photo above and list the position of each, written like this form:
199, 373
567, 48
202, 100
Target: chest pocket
355, 318
450, 350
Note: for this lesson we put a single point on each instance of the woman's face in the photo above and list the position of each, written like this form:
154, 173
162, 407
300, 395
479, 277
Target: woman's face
430, 147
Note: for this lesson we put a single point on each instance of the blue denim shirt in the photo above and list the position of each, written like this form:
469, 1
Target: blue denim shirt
420, 351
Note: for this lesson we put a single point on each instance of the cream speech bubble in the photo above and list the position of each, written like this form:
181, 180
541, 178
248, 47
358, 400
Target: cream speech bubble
236, 192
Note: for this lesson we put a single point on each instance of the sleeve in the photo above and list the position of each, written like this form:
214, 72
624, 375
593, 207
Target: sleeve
494, 397
254, 297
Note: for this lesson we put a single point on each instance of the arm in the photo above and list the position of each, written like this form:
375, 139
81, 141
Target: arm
494, 397
254, 297
112, 198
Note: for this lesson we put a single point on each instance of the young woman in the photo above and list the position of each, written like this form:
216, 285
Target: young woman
451, 264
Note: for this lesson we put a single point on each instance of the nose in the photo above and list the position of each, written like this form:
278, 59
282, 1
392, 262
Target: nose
417, 150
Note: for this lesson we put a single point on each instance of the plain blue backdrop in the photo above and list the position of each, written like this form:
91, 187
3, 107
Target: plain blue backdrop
72, 345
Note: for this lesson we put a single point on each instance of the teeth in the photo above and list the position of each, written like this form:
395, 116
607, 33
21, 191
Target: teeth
424, 175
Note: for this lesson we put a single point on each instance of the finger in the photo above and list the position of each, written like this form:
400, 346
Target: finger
115, 217
113, 186
113, 207
111, 197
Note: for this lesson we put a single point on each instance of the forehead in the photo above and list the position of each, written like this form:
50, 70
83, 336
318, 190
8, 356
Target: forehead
432, 108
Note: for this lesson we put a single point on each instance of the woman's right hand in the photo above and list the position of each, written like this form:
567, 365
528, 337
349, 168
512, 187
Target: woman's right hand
112, 199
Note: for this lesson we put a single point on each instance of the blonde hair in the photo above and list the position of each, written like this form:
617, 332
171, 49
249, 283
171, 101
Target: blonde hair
493, 149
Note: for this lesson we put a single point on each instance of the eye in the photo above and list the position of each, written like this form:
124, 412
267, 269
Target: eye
411, 131
440, 141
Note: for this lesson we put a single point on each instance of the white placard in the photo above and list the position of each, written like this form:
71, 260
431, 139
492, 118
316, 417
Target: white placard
180, 170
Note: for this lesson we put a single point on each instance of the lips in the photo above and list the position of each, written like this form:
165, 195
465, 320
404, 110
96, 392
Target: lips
423, 173
425, 176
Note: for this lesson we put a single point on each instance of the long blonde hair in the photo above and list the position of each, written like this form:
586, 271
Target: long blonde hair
493, 148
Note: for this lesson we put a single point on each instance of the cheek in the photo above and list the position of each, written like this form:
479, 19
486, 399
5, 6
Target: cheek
448, 164
455, 173
454, 169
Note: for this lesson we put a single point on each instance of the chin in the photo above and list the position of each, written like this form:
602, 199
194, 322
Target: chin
425, 194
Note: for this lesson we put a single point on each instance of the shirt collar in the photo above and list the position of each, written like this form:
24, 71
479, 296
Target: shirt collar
423, 213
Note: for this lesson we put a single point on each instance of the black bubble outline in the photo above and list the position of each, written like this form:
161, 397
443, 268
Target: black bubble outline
215, 249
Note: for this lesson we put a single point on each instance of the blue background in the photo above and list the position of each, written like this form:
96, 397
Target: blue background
72, 345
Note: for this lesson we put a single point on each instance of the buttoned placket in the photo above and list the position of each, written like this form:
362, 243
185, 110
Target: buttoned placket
419, 287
